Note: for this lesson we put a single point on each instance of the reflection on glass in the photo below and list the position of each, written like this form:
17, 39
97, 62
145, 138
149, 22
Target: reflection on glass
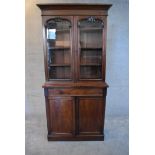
51, 34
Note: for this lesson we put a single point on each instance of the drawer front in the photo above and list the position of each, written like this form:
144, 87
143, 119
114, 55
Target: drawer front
75, 92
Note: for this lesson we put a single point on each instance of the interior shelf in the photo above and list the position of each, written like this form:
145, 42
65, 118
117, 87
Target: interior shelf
90, 64
91, 29
59, 48
91, 48
62, 30
59, 65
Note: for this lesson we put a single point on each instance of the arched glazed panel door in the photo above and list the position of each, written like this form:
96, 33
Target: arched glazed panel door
90, 47
58, 32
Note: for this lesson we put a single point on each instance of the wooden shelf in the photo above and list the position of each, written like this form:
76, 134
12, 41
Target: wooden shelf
90, 64
91, 48
59, 48
60, 65
90, 29
62, 30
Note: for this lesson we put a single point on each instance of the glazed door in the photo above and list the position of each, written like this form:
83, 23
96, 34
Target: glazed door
61, 116
90, 47
90, 115
58, 42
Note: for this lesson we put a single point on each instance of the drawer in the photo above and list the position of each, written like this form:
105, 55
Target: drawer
75, 92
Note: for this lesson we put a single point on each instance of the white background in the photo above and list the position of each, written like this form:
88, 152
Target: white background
142, 77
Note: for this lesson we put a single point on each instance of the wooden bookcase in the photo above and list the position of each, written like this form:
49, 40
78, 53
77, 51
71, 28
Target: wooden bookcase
75, 60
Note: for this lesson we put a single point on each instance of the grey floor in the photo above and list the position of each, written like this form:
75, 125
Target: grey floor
116, 139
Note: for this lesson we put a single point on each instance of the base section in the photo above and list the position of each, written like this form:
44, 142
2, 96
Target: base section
76, 138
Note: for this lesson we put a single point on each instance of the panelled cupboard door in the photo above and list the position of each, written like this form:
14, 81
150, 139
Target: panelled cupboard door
58, 34
90, 32
91, 115
61, 116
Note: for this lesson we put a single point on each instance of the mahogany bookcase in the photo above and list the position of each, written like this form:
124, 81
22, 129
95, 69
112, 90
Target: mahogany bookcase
75, 90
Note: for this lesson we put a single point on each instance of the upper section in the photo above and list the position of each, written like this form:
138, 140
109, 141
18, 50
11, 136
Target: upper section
74, 42
74, 9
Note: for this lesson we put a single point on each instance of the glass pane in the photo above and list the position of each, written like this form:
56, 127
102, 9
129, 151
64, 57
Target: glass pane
60, 72
90, 39
90, 72
58, 45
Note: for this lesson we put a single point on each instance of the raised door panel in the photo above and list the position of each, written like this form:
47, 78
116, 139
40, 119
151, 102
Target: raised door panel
91, 115
62, 115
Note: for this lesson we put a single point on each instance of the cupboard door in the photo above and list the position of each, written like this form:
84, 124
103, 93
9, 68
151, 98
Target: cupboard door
61, 115
91, 115
90, 47
59, 32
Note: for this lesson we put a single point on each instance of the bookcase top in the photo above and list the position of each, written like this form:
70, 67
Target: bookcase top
73, 6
